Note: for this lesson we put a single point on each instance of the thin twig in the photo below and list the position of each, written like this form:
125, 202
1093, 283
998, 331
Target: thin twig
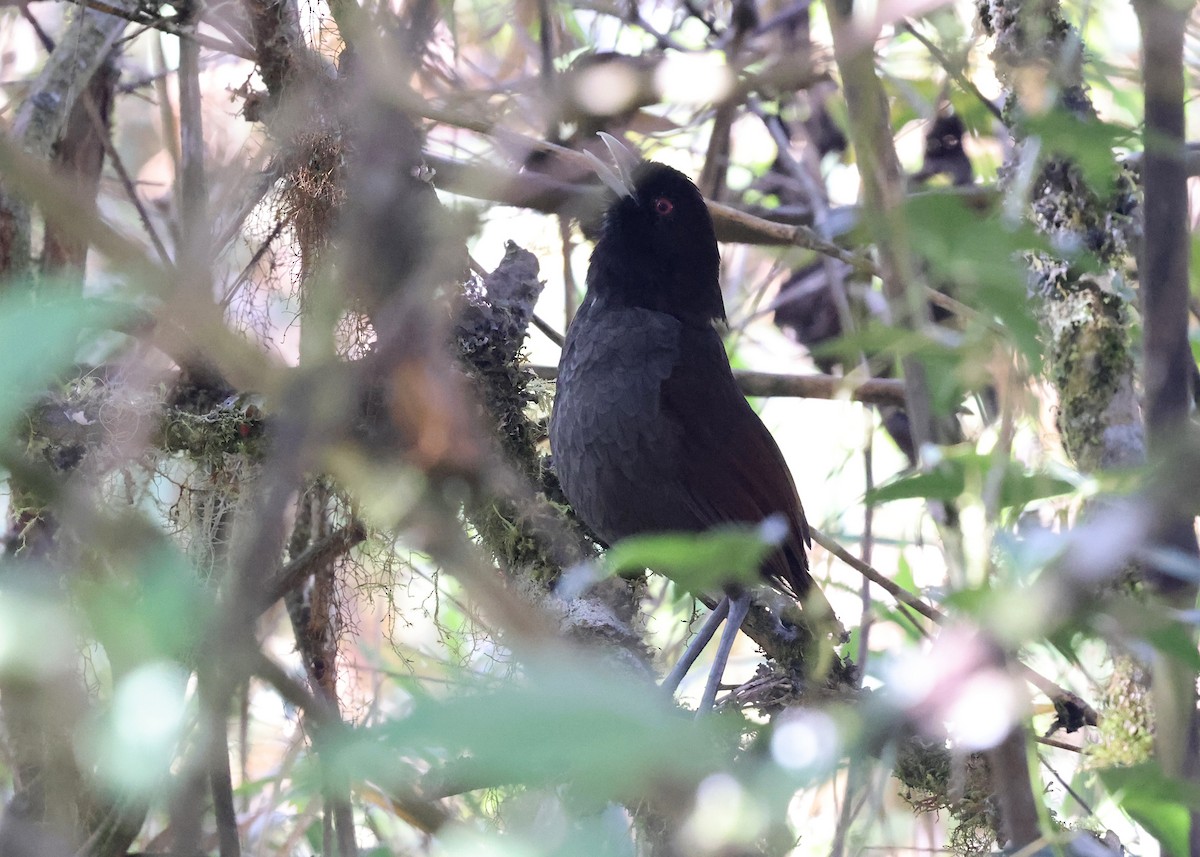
265, 181
220, 780
1050, 688
123, 176
570, 290
1066, 785
166, 113
317, 554
955, 73
184, 33
551, 334
43, 36
542, 193
895, 590
1054, 742
244, 276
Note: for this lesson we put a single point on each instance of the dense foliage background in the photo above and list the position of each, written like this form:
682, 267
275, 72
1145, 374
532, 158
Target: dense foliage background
286, 568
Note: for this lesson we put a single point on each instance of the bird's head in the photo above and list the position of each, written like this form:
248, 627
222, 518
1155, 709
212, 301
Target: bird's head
657, 248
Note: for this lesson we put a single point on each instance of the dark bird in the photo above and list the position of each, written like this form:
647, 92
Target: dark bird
650, 432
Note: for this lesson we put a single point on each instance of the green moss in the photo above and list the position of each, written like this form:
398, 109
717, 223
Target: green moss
935, 780
236, 429
1089, 362
1127, 727
527, 528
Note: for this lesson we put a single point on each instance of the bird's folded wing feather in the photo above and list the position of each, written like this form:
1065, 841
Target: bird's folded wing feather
731, 468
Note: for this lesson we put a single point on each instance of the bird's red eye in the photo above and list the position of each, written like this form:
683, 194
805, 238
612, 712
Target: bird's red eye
663, 206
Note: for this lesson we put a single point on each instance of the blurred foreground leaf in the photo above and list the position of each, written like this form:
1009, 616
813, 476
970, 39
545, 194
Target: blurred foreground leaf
553, 833
701, 562
964, 470
134, 742
1088, 143
37, 635
157, 610
571, 720
1166, 632
984, 260
1155, 801
38, 338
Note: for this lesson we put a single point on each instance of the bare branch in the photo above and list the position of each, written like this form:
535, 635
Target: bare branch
954, 71
1169, 364
42, 115
194, 227
873, 391
898, 592
138, 16
314, 556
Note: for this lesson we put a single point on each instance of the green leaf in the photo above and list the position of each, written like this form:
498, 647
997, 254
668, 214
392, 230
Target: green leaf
945, 482
38, 338
854, 644
1155, 801
964, 471
904, 575
976, 115
133, 743
701, 562
975, 601
1175, 640
982, 257
157, 611
1167, 634
874, 337
37, 633
566, 718
1194, 341
1088, 143
912, 632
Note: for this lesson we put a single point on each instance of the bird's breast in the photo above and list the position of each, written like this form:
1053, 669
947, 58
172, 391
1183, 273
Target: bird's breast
612, 447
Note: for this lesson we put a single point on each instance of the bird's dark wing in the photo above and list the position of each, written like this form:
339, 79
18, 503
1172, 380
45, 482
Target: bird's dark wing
610, 445
730, 466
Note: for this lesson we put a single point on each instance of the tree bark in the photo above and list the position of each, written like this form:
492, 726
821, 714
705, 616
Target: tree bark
1169, 365
41, 117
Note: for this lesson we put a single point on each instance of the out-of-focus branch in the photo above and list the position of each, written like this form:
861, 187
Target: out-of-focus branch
898, 592
138, 16
42, 115
1085, 324
1164, 257
543, 193
313, 611
1060, 696
41, 710
1169, 364
314, 556
79, 156
195, 231
424, 813
100, 123
954, 71
29, 177
278, 42
883, 191
884, 186
1191, 159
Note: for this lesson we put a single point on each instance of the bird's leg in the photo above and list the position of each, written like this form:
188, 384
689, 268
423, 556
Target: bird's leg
738, 608
696, 646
